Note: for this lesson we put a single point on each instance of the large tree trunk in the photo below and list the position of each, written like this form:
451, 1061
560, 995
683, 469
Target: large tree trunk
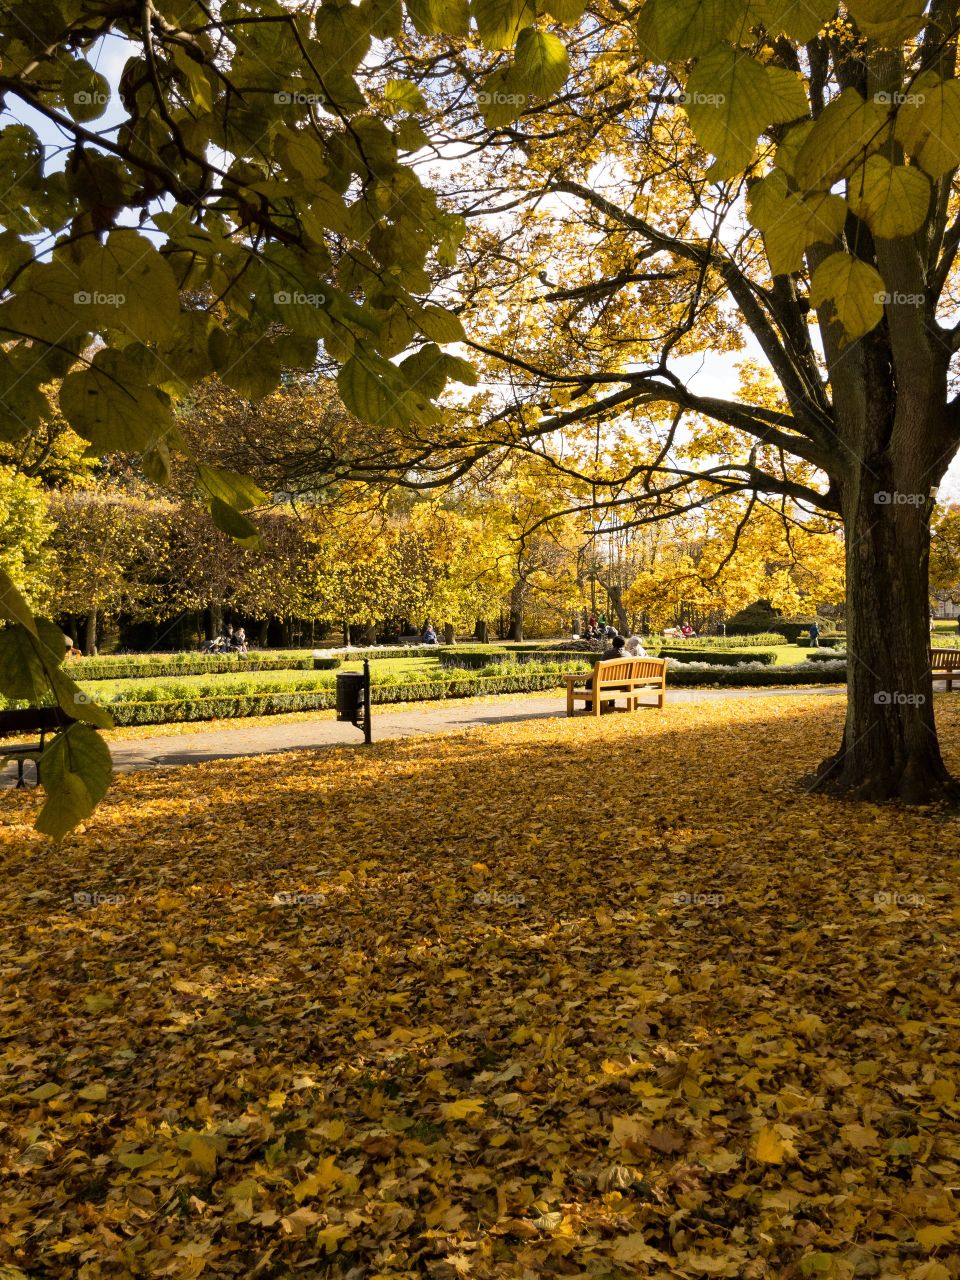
90, 634
214, 621
482, 631
615, 596
515, 629
889, 748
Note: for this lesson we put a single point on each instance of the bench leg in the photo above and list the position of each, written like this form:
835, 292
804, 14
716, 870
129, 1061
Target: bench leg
596, 704
569, 699
20, 779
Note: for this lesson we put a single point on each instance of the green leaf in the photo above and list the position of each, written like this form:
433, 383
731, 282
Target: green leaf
384, 17
439, 325
81, 706
375, 391
343, 37
110, 405
44, 304
404, 95
928, 124
499, 22
800, 22
792, 224
230, 487
789, 148
569, 12
433, 17
22, 403
888, 22
730, 98
242, 530
849, 129
891, 198
130, 287
85, 92
851, 292
501, 99
13, 607
540, 62
676, 30
411, 137
424, 370
75, 772
246, 361
23, 674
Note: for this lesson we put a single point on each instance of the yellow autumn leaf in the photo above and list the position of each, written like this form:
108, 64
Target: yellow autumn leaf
462, 1109
769, 1147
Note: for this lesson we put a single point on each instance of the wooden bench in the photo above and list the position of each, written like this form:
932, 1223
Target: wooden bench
619, 677
945, 665
43, 721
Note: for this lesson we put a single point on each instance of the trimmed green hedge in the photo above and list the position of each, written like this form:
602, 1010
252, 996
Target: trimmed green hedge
197, 664
476, 659
731, 678
230, 706
725, 642
826, 655
718, 656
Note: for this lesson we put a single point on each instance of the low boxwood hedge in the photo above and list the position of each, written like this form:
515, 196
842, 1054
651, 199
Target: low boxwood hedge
826, 655
747, 678
232, 705
475, 659
198, 664
759, 641
719, 657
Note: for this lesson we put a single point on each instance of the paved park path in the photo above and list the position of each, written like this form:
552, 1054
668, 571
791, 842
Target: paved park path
436, 717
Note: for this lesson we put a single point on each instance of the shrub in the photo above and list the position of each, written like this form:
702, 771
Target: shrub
826, 655
190, 664
717, 657
477, 659
727, 642
704, 676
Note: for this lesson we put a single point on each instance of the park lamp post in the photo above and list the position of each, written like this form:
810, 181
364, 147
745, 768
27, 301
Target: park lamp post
353, 699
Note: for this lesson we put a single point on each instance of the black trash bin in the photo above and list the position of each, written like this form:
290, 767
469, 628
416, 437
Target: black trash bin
353, 699
349, 696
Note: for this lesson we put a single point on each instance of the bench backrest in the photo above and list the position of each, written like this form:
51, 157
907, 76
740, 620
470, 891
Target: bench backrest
32, 720
944, 659
628, 668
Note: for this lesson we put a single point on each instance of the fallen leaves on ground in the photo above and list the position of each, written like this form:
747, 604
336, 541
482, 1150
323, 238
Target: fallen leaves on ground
589, 998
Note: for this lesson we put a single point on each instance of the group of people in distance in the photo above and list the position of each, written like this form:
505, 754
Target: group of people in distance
229, 640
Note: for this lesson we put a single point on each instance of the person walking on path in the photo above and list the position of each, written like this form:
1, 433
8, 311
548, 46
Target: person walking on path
815, 635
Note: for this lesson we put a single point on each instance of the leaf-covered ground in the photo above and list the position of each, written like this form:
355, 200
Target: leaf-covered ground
561, 998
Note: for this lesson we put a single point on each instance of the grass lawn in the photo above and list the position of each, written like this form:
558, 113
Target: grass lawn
413, 1010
